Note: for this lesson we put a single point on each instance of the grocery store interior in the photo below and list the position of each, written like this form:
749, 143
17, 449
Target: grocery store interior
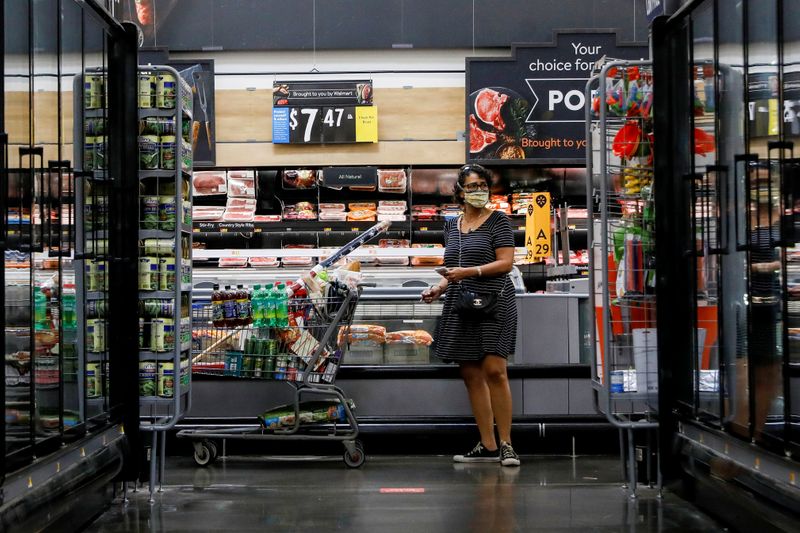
260, 198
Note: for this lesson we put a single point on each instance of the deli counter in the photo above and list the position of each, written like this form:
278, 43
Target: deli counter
396, 384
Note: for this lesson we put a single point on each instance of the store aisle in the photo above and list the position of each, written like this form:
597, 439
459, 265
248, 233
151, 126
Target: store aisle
546, 494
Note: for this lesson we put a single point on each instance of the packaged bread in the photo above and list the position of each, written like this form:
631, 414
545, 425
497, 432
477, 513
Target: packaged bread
417, 337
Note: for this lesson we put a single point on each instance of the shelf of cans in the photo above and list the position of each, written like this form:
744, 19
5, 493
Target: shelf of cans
264, 334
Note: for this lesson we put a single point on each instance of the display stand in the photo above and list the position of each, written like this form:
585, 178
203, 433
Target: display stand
165, 242
621, 239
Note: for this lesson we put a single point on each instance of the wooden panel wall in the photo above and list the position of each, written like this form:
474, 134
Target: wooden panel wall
415, 126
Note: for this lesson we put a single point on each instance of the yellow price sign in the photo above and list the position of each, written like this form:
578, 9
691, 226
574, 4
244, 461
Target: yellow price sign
366, 124
538, 236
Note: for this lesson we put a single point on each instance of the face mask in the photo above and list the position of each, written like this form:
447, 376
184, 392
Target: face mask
477, 199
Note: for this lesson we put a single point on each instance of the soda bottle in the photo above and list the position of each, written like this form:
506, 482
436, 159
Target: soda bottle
243, 313
255, 306
281, 306
40, 309
229, 306
271, 301
69, 318
217, 308
264, 297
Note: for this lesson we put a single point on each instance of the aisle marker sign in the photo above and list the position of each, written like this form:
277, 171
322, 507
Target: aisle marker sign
538, 238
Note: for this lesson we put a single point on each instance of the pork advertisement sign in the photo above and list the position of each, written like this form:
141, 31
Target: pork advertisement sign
529, 108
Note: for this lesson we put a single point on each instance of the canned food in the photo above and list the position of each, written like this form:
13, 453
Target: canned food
94, 127
91, 327
258, 365
159, 247
93, 380
166, 91
168, 152
93, 91
96, 335
186, 155
167, 212
147, 378
169, 334
166, 273
166, 379
141, 333
184, 372
150, 213
247, 365
96, 308
269, 366
88, 153
100, 152
166, 127
97, 246
186, 212
147, 90
97, 275
148, 152
157, 334
148, 273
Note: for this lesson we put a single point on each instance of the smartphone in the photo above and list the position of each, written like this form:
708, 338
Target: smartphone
441, 271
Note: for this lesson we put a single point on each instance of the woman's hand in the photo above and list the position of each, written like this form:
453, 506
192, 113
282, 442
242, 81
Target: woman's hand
454, 275
431, 294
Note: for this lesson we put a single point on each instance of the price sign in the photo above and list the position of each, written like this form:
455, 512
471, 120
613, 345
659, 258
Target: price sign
538, 237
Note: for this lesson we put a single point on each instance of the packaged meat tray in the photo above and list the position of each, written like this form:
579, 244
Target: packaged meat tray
332, 207
242, 214
362, 215
424, 183
363, 206
299, 179
207, 214
233, 262
296, 260
391, 218
393, 243
267, 218
363, 188
264, 262
332, 216
240, 203
409, 336
208, 183
241, 184
392, 207
392, 181
447, 184
300, 211
369, 260
426, 261
424, 212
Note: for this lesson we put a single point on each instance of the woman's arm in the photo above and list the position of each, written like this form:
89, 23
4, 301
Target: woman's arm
503, 263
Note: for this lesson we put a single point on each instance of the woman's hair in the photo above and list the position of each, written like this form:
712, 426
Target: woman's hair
482, 172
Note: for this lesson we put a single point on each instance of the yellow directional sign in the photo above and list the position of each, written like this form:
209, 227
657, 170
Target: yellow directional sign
538, 236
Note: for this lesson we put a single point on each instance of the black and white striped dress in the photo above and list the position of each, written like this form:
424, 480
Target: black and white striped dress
464, 340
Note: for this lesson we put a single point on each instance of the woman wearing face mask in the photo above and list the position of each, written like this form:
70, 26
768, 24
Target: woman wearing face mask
479, 254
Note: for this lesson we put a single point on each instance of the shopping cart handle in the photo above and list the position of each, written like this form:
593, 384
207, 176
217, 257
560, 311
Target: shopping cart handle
371, 284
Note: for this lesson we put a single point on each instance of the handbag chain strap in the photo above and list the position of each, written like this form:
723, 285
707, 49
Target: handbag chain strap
458, 228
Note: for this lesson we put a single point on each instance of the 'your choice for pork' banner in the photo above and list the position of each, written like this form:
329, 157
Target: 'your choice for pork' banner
529, 108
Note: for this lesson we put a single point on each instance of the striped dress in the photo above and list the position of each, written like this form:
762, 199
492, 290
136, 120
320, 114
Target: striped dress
463, 340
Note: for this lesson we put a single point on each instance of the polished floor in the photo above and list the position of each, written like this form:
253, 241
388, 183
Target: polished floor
400, 494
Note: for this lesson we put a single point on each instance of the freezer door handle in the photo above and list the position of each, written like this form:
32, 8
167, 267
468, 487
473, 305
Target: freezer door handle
32, 152
786, 223
720, 187
742, 160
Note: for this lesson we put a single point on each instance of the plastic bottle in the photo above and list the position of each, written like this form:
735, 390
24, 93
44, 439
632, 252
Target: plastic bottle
243, 312
257, 306
281, 306
69, 318
40, 309
229, 306
217, 308
270, 306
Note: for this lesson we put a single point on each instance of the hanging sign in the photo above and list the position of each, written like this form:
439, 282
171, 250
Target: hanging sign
538, 236
530, 108
350, 176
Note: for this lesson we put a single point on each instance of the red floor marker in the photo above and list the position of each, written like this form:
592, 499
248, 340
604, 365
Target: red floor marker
402, 490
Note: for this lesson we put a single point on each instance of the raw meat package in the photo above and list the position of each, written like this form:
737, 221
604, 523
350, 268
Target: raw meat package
332, 207
297, 260
450, 210
299, 179
409, 336
264, 262
209, 182
392, 207
240, 203
361, 206
267, 218
241, 184
239, 214
362, 215
300, 211
424, 260
391, 260
391, 218
363, 334
233, 262
424, 212
207, 214
371, 259
499, 202
424, 182
392, 181
332, 216
364, 188
447, 184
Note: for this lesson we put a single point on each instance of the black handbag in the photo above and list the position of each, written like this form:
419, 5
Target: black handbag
473, 305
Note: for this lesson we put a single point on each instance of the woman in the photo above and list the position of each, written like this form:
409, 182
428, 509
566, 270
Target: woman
479, 254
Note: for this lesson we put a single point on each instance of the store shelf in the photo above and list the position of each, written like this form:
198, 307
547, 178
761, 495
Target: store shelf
161, 400
96, 295
157, 173
101, 112
146, 355
156, 112
292, 226
163, 295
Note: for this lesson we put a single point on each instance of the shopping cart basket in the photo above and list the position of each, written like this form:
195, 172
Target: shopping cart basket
304, 350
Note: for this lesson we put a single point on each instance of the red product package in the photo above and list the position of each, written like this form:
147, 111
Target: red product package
392, 181
233, 262
267, 218
264, 262
207, 214
241, 183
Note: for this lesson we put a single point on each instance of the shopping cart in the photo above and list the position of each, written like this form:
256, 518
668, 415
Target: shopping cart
304, 351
